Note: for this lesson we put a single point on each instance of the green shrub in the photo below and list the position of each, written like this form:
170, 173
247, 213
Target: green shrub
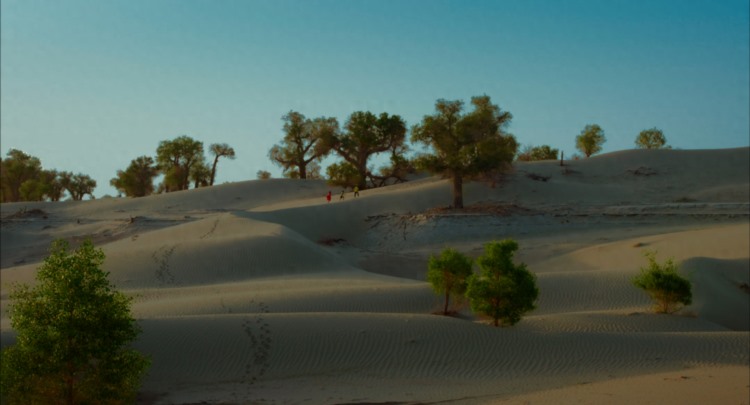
73, 335
448, 273
502, 290
668, 289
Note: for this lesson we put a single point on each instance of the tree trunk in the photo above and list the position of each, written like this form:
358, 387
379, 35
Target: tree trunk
69, 382
447, 297
70, 375
458, 191
213, 170
362, 169
303, 171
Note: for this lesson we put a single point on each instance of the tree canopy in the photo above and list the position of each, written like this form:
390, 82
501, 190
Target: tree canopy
465, 145
396, 171
138, 179
651, 139
366, 135
219, 150
200, 174
53, 187
502, 290
77, 185
73, 329
342, 174
176, 159
303, 143
16, 169
534, 153
22, 178
590, 140
447, 274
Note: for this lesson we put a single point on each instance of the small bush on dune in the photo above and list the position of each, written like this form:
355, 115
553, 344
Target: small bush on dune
447, 274
502, 290
668, 289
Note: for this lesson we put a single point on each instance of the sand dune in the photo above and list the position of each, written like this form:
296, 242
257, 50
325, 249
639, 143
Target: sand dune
337, 292
429, 357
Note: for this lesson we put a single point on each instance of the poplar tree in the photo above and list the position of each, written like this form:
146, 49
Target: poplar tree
73, 331
590, 140
503, 290
465, 146
366, 134
176, 159
303, 144
448, 273
651, 139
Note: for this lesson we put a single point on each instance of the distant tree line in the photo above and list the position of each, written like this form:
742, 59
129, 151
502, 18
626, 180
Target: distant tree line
180, 160
22, 178
460, 145
531, 153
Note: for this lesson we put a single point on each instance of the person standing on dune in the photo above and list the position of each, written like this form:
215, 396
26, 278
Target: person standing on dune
328, 196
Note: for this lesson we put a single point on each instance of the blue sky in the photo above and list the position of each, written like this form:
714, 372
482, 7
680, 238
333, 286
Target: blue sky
89, 85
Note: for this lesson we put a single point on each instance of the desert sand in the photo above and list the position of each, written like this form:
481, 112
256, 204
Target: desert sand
262, 292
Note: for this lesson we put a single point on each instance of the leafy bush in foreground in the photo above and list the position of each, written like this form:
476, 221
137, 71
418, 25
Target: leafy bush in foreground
73, 330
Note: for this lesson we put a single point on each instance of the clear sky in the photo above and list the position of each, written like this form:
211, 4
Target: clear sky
89, 85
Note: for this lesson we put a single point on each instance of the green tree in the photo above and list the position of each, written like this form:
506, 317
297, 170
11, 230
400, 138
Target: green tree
138, 179
263, 175
313, 171
651, 139
303, 143
502, 290
176, 159
73, 329
397, 171
366, 135
465, 146
23, 179
448, 273
534, 153
18, 168
219, 150
590, 140
342, 174
200, 174
77, 185
34, 189
53, 187
668, 289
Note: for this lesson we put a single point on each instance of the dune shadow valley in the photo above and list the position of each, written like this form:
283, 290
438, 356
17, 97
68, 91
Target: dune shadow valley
262, 292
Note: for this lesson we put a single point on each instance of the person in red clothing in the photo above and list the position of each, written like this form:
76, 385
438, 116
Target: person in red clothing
328, 197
